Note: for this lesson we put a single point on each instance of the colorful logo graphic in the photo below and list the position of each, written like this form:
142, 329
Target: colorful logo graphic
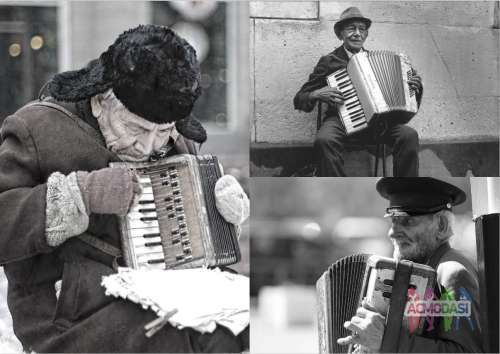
450, 306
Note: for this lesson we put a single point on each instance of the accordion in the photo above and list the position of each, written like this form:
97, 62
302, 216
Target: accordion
375, 88
176, 223
387, 286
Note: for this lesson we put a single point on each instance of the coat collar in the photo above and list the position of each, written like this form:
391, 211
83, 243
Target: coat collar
438, 254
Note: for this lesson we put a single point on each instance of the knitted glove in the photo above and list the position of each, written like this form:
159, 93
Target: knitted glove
108, 190
231, 200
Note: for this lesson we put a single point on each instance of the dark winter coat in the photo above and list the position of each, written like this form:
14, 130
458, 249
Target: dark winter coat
37, 141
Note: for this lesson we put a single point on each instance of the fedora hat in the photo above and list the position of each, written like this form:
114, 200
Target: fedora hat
418, 195
151, 70
349, 14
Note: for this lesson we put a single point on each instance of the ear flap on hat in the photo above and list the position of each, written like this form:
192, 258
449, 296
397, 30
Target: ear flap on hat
79, 84
192, 129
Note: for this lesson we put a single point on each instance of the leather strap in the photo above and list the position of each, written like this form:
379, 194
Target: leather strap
394, 319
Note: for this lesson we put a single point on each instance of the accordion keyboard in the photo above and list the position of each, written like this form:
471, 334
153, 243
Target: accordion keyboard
351, 112
176, 223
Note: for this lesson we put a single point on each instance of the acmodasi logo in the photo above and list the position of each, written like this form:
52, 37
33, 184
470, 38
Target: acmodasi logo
450, 305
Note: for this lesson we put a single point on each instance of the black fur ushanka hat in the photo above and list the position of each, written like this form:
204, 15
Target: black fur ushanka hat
151, 70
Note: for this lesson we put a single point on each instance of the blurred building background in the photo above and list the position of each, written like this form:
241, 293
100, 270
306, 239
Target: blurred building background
454, 45
302, 225
41, 38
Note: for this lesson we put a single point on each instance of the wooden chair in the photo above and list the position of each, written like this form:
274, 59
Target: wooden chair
380, 148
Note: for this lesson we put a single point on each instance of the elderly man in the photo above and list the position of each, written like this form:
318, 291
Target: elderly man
420, 211
352, 30
59, 200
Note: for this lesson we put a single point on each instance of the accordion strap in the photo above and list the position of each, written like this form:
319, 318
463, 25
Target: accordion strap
394, 319
100, 245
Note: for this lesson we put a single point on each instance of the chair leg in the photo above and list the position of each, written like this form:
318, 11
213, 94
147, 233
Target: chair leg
377, 153
383, 161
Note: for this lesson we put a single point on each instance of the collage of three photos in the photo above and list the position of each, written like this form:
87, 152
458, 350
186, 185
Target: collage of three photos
249, 176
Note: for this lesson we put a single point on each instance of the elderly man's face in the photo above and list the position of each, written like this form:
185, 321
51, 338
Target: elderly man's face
133, 138
354, 35
415, 238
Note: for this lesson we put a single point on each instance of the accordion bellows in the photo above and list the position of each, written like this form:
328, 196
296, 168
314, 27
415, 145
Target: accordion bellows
176, 223
351, 279
375, 87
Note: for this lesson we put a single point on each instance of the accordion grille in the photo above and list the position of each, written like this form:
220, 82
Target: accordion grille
339, 291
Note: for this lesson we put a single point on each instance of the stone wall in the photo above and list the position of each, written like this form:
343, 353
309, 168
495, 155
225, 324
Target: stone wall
453, 45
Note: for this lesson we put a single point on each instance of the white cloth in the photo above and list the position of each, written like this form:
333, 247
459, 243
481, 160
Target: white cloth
200, 298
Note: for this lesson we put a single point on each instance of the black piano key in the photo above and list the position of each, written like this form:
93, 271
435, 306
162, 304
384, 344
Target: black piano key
148, 218
151, 244
359, 124
146, 201
155, 261
156, 234
147, 210
352, 104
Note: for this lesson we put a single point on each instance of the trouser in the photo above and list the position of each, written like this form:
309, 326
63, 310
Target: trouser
331, 139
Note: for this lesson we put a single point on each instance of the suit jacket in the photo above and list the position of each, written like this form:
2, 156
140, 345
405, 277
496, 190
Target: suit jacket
457, 276
37, 141
327, 65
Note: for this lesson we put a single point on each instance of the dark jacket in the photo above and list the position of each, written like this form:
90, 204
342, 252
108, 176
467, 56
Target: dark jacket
327, 65
37, 141
454, 273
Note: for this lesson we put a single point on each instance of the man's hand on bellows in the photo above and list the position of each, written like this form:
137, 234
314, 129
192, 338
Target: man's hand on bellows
329, 95
368, 328
108, 190
415, 82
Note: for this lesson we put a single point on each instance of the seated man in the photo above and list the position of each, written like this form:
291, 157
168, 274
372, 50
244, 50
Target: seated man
60, 200
420, 211
352, 30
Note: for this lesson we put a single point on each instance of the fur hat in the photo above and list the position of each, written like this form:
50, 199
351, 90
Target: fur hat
348, 15
151, 70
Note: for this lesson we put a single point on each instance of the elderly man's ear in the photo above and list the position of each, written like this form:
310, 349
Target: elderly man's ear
443, 227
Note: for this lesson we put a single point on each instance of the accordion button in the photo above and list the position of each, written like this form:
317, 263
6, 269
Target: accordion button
168, 199
175, 184
179, 208
173, 175
175, 241
179, 257
163, 174
165, 183
182, 225
176, 192
175, 231
180, 217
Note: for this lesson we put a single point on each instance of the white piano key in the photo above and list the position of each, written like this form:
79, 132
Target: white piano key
144, 258
146, 251
138, 224
141, 232
142, 241
136, 215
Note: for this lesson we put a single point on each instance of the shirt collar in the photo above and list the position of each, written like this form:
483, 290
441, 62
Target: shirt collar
350, 54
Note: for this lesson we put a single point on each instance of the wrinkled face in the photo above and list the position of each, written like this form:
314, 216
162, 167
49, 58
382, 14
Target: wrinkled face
354, 35
415, 238
133, 138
